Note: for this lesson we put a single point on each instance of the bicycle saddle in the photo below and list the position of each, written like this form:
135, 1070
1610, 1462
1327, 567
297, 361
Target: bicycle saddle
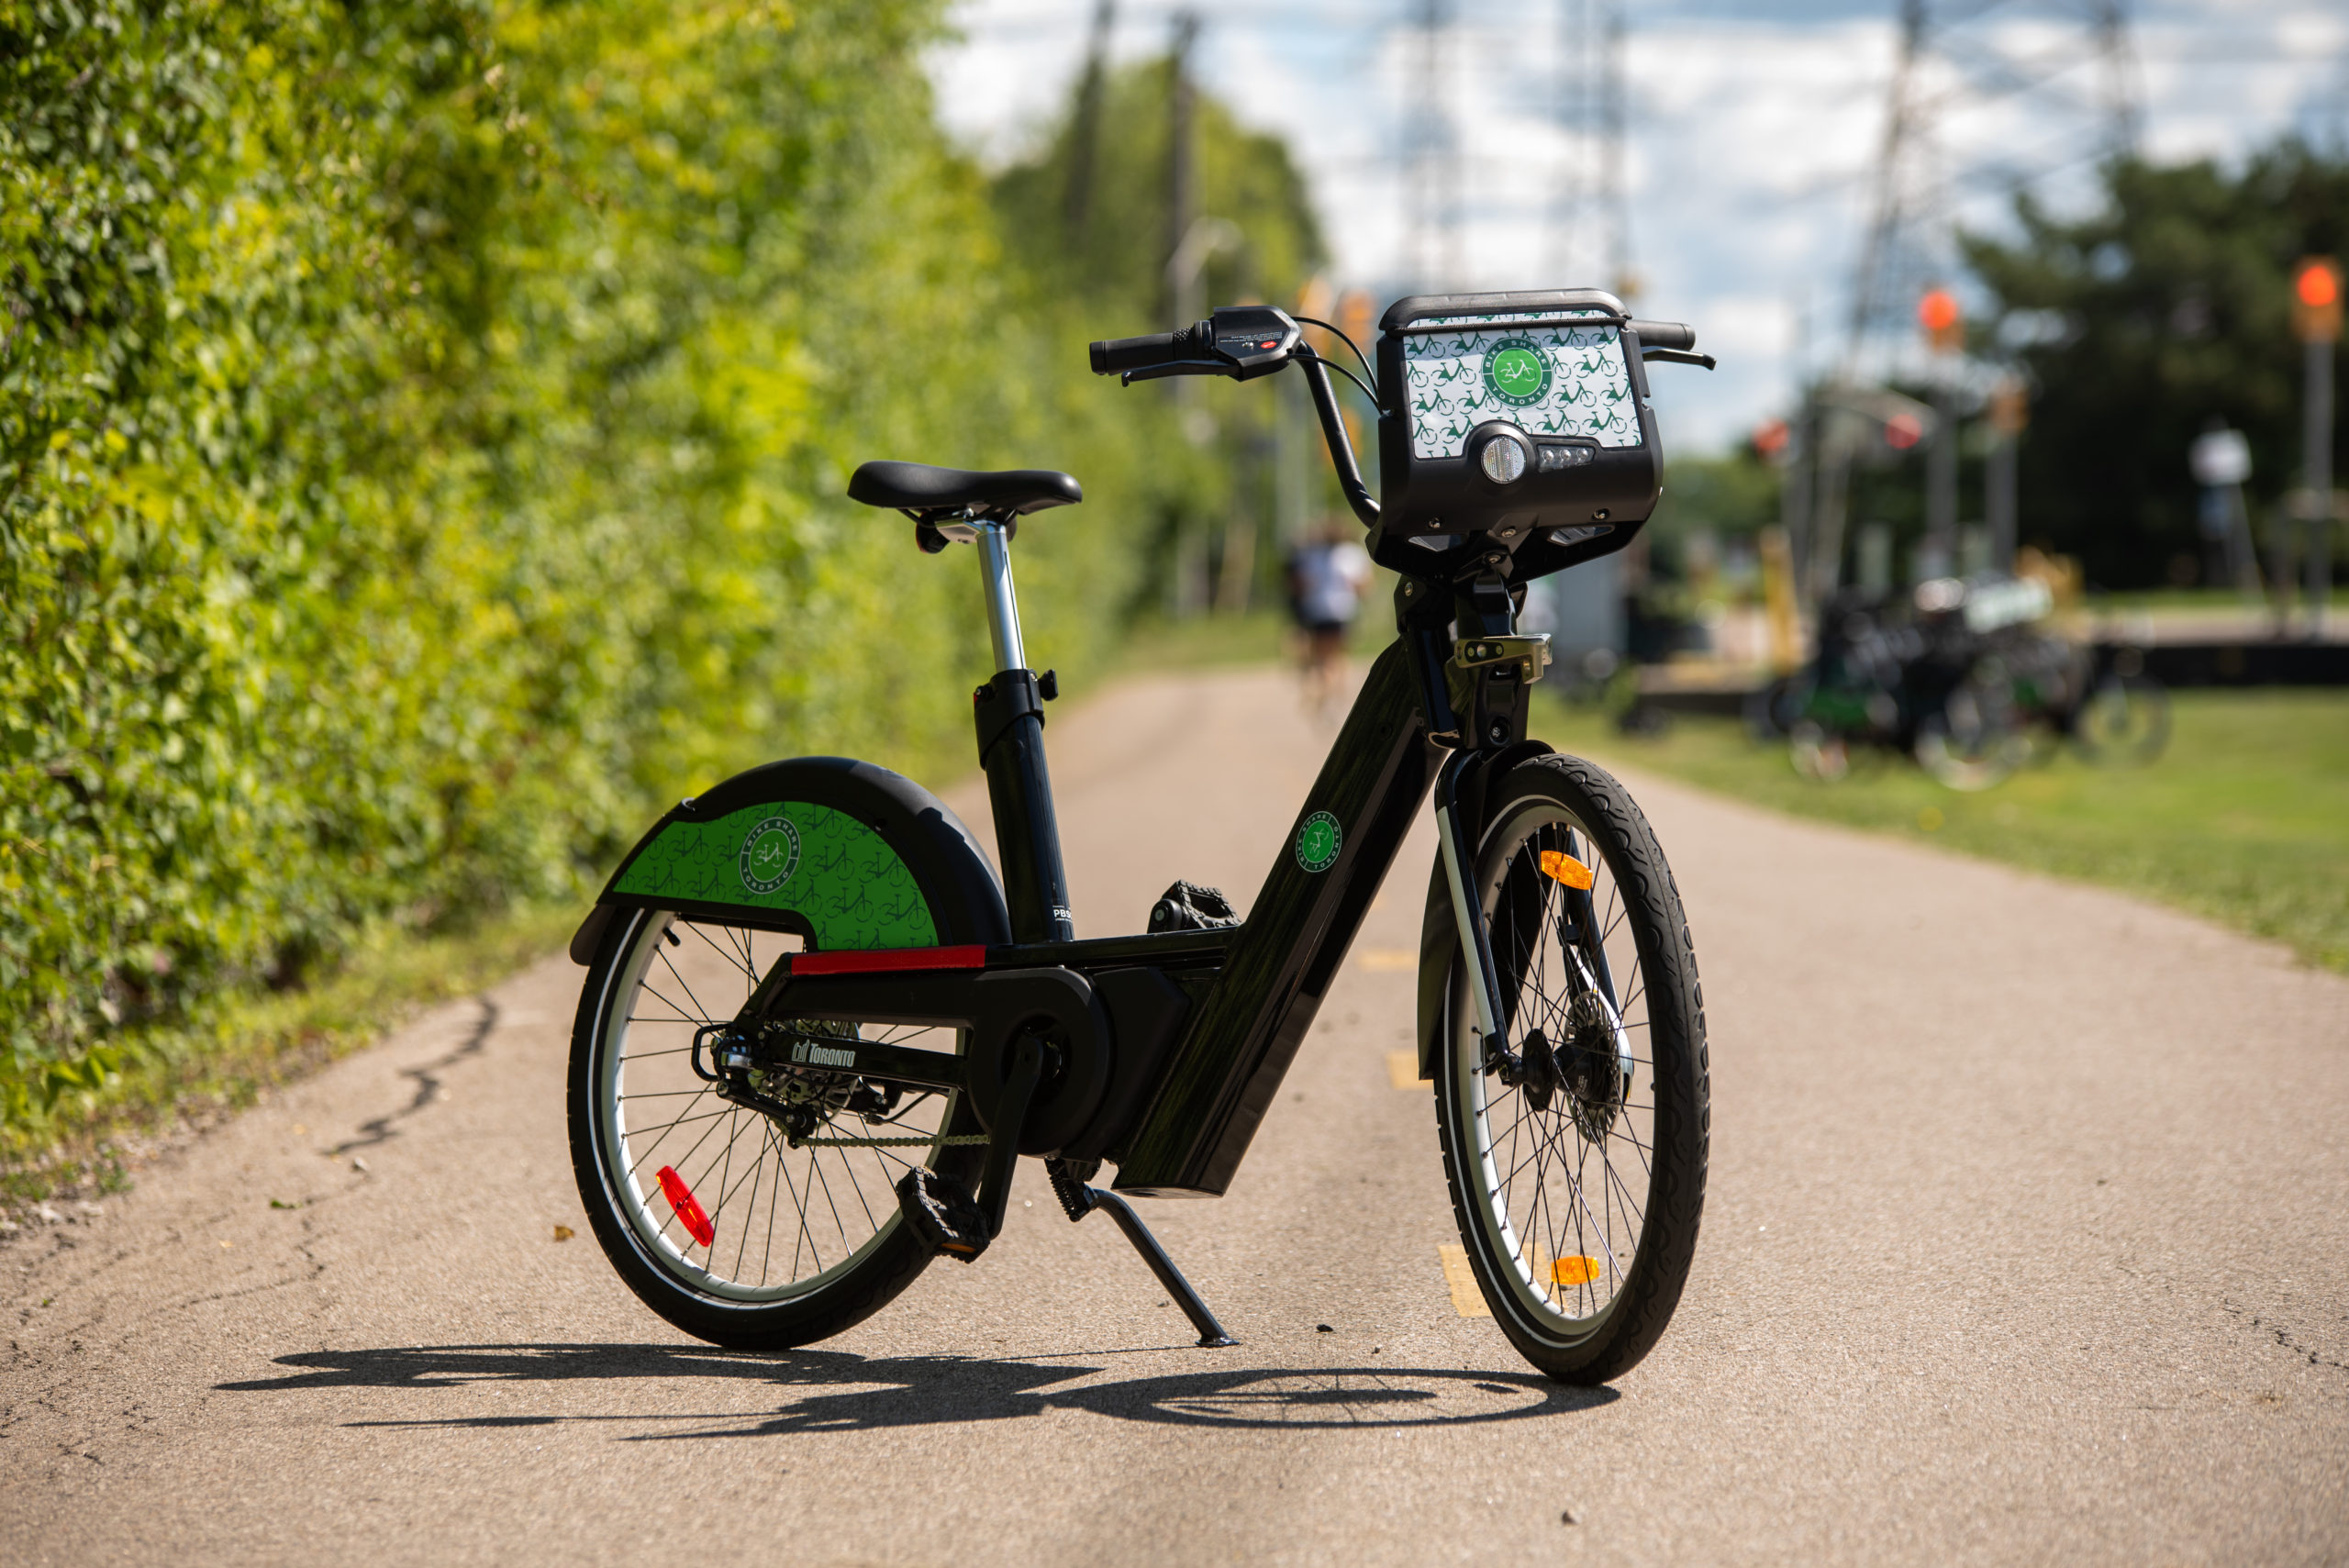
917, 487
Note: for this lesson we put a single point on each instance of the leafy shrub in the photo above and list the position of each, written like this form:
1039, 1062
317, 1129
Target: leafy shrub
422, 434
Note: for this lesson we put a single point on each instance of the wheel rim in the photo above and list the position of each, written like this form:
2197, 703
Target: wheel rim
786, 1221
1561, 1190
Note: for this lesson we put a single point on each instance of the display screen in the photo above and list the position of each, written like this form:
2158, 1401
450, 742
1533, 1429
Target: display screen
1547, 381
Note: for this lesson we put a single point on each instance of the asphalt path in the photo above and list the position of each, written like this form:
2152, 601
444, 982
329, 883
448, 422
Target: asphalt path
2027, 1239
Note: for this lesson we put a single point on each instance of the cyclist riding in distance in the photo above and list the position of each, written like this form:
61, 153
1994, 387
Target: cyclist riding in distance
1329, 572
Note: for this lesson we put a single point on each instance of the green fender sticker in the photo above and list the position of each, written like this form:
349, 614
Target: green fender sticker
823, 866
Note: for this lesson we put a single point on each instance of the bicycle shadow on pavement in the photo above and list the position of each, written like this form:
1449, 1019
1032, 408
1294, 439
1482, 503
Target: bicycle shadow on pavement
839, 1392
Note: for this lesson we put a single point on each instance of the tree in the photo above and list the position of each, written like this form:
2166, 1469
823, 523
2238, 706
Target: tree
2138, 324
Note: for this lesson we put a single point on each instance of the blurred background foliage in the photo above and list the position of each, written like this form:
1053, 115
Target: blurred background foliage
2135, 325
2140, 323
423, 428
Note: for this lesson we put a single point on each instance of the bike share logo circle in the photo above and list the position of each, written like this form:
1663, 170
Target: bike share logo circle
1517, 371
1318, 841
770, 854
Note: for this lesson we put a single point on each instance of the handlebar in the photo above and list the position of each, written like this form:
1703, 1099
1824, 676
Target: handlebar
1153, 349
1243, 343
1664, 334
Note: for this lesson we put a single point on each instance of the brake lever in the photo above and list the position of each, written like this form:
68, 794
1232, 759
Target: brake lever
1677, 357
1180, 367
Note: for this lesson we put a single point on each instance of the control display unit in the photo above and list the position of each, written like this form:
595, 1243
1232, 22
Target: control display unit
1523, 412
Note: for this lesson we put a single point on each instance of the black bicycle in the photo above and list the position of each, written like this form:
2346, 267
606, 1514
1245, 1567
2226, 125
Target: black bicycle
817, 1030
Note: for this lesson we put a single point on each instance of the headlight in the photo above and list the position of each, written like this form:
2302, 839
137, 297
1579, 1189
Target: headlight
1503, 460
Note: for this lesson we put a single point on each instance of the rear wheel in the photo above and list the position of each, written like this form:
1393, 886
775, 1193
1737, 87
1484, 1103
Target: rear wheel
763, 1217
1577, 1162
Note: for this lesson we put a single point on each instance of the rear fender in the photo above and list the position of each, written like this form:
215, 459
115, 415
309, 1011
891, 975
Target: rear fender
845, 854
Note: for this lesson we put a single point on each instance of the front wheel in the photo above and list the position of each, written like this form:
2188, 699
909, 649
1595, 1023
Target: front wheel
1577, 1159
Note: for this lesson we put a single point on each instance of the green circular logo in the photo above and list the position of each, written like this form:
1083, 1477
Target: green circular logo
770, 855
1318, 841
1517, 371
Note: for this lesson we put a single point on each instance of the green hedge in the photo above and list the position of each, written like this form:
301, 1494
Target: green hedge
422, 433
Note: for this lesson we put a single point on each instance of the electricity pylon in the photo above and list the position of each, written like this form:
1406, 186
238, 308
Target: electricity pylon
1589, 217
2077, 69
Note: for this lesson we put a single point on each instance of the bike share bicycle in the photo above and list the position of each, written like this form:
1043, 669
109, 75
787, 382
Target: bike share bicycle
817, 1031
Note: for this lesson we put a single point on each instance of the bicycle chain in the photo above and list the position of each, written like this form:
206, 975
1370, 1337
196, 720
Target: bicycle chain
960, 1140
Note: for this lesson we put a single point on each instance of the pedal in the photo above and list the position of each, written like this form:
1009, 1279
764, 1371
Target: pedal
942, 1214
1187, 907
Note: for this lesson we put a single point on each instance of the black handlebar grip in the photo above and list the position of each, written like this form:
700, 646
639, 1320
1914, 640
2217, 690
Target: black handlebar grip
1663, 334
1111, 355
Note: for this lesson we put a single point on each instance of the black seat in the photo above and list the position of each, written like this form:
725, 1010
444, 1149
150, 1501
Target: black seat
917, 487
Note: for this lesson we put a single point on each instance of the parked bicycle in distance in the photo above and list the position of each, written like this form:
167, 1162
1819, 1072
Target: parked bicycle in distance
1962, 676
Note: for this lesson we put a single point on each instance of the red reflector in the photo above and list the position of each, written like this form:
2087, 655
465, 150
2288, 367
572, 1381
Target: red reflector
972, 957
681, 1198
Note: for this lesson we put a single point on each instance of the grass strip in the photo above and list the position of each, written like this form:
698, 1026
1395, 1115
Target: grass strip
179, 1076
2243, 820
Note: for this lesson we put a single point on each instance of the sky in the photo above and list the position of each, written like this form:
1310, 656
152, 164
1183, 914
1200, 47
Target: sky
1751, 129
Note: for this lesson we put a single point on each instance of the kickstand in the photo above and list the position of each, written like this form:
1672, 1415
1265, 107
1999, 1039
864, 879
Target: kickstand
1080, 1200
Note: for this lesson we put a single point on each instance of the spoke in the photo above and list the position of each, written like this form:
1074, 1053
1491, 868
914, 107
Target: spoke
799, 1207
742, 1247
683, 1016
857, 1187
725, 952
684, 985
816, 1166
711, 1116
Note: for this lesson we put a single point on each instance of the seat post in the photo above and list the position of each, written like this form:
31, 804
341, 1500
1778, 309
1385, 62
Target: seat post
1009, 710
1003, 604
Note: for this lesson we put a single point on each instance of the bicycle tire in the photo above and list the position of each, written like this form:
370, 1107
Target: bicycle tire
2124, 721
1634, 912
653, 1251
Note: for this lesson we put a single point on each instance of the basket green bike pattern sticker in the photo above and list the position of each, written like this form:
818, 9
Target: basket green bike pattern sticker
823, 866
770, 854
1566, 380
1517, 371
1317, 842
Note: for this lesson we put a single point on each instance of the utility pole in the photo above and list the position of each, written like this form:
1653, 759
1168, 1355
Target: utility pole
1085, 138
2316, 317
1946, 331
1181, 108
1432, 198
2009, 412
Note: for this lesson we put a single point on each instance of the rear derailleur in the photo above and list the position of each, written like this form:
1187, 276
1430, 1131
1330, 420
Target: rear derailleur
758, 1073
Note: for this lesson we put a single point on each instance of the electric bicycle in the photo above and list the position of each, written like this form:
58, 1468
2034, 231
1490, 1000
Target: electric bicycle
818, 1030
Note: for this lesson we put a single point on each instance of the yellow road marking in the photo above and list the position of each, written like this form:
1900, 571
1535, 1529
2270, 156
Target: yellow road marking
1466, 1299
1389, 959
1403, 1069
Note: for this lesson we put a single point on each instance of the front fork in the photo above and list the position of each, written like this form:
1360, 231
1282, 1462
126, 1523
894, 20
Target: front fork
1477, 702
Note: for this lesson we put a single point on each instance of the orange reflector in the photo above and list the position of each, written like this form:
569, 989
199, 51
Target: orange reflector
681, 1198
1559, 866
1575, 1270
